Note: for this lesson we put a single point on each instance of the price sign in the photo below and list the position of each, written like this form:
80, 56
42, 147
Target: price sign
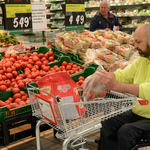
75, 15
18, 19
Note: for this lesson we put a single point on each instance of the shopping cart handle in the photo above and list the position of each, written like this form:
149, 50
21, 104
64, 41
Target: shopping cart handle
143, 101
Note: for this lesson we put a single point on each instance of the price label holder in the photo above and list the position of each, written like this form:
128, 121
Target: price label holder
18, 18
74, 15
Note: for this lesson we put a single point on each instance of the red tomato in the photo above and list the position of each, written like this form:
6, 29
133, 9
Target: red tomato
80, 82
64, 63
35, 58
68, 67
9, 70
7, 55
14, 105
25, 58
46, 55
17, 65
50, 53
8, 101
12, 59
35, 53
21, 75
28, 101
4, 77
71, 63
22, 103
21, 85
72, 71
39, 63
29, 66
84, 65
8, 64
45, 62
33, 69
14, 55
13, 68
40, 55
43, 59
22, 93
8, 106
75, 66
7, 83
17, 100
3, 88
15, 74
18, 78
10, 98
24, 98
80, 70
2, 104
1, 77
81, 78
15, 90
51, 58
30, 61
17, 95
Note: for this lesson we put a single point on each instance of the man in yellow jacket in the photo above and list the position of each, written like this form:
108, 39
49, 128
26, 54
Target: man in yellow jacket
123, 131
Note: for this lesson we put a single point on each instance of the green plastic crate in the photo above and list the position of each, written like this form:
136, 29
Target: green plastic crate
5, 113
60, 53
63, 58
85, 73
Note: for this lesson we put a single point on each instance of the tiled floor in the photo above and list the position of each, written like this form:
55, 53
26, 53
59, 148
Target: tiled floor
48, 142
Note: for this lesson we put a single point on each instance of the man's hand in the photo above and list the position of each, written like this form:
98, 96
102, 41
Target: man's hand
108, 79
87, 81
107, 29
117, 28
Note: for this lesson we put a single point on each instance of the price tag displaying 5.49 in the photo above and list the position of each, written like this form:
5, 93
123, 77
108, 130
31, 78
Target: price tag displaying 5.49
75, 15
18, 17
22, 22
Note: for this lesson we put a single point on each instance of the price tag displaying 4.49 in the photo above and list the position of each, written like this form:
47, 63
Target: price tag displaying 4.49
21, 22
79, 19
75, 20
75, 15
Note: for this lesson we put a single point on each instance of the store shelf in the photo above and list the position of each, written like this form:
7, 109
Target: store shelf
56, 1
49, 14
58, 18
138, 15
129, 26
122, 4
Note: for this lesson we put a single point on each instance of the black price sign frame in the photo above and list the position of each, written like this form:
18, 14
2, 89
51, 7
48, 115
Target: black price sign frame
18, 16
74, 15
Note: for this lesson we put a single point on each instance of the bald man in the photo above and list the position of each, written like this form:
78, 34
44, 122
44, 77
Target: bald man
123, 131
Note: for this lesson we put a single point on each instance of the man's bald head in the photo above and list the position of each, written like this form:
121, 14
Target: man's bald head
143, 31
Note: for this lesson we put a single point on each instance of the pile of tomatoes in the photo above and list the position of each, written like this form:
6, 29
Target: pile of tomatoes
80, 81
20, 98
17, 70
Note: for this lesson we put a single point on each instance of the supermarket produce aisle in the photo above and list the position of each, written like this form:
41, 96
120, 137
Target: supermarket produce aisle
48, 142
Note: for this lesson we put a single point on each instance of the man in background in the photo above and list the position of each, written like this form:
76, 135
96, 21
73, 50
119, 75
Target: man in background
104, 19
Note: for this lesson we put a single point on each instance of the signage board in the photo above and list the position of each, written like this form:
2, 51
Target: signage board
74, 15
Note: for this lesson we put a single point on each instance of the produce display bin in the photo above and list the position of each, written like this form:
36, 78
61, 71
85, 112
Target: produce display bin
60, 53
5, 113
85, 73
74, 57
64, 58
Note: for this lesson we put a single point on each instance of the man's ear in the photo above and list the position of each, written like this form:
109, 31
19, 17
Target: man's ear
148, 41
